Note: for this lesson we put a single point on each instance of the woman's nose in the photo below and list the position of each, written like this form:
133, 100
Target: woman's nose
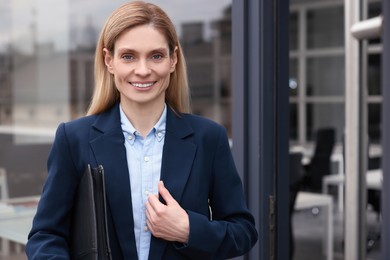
142, 68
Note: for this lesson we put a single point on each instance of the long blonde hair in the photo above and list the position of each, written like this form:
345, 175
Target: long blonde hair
125, 17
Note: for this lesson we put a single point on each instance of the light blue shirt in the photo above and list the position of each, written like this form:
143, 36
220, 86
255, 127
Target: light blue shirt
144, 156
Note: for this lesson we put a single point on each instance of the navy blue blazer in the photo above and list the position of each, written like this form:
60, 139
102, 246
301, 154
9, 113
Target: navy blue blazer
197, 168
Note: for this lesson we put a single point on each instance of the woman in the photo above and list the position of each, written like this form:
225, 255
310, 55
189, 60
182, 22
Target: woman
139, 129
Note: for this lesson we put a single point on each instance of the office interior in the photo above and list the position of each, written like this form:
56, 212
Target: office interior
46, 77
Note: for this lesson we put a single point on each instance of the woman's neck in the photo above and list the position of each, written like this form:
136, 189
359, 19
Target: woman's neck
143, 118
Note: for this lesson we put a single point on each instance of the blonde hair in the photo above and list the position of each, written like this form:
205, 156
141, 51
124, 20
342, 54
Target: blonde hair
128, 16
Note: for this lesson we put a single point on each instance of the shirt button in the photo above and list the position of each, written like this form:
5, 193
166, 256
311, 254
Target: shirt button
147, 192
130, 137
159, 134
146, 159
146, 228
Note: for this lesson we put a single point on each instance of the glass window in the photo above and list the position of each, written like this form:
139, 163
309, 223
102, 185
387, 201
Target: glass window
321, 115
325, 27
374, 122
293, 121
293, 79
294, 31
325, 76
46, 72
374, 10
374, 74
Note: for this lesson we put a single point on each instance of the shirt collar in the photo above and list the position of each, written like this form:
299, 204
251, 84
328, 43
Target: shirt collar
130, 132
159, 127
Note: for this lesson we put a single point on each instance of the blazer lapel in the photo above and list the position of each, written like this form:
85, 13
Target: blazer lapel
178, 156
107, 144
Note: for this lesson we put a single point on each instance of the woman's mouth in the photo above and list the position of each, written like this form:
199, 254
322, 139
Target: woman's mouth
142, 85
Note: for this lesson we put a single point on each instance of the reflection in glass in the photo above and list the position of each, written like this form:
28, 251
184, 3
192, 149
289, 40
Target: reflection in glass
39, 67
325, 27
321, 115
209, 67
325, 76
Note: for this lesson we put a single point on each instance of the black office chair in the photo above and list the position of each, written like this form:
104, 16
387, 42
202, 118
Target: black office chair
320, 164
296, 175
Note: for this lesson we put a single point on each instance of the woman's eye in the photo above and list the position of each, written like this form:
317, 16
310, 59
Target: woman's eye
127, 57
157, 57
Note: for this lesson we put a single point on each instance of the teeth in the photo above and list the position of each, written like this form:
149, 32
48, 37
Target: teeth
139, 85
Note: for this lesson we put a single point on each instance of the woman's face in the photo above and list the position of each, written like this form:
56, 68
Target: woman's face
141, 65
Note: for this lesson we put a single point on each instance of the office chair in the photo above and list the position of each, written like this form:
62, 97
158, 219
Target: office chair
320, 162
296, 175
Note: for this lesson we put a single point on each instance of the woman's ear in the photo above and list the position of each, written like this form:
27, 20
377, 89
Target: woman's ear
108, 60
173, 60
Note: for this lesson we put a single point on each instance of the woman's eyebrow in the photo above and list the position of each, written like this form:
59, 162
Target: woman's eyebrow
129, 50
162, 50
125, 50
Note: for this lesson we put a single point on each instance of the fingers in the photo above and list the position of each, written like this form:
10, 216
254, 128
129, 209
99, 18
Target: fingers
149, 222
152, 205
165, 193
151, 215
170, 221
154, 202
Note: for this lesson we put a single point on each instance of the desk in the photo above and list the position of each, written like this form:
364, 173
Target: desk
16, 220
308, 200
374, 180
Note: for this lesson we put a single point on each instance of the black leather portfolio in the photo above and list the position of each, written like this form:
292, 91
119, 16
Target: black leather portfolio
88, 234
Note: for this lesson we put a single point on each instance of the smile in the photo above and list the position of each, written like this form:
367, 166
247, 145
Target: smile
142, 85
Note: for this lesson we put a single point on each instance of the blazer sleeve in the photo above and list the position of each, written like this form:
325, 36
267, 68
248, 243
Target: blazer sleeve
231, 231
50, 229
